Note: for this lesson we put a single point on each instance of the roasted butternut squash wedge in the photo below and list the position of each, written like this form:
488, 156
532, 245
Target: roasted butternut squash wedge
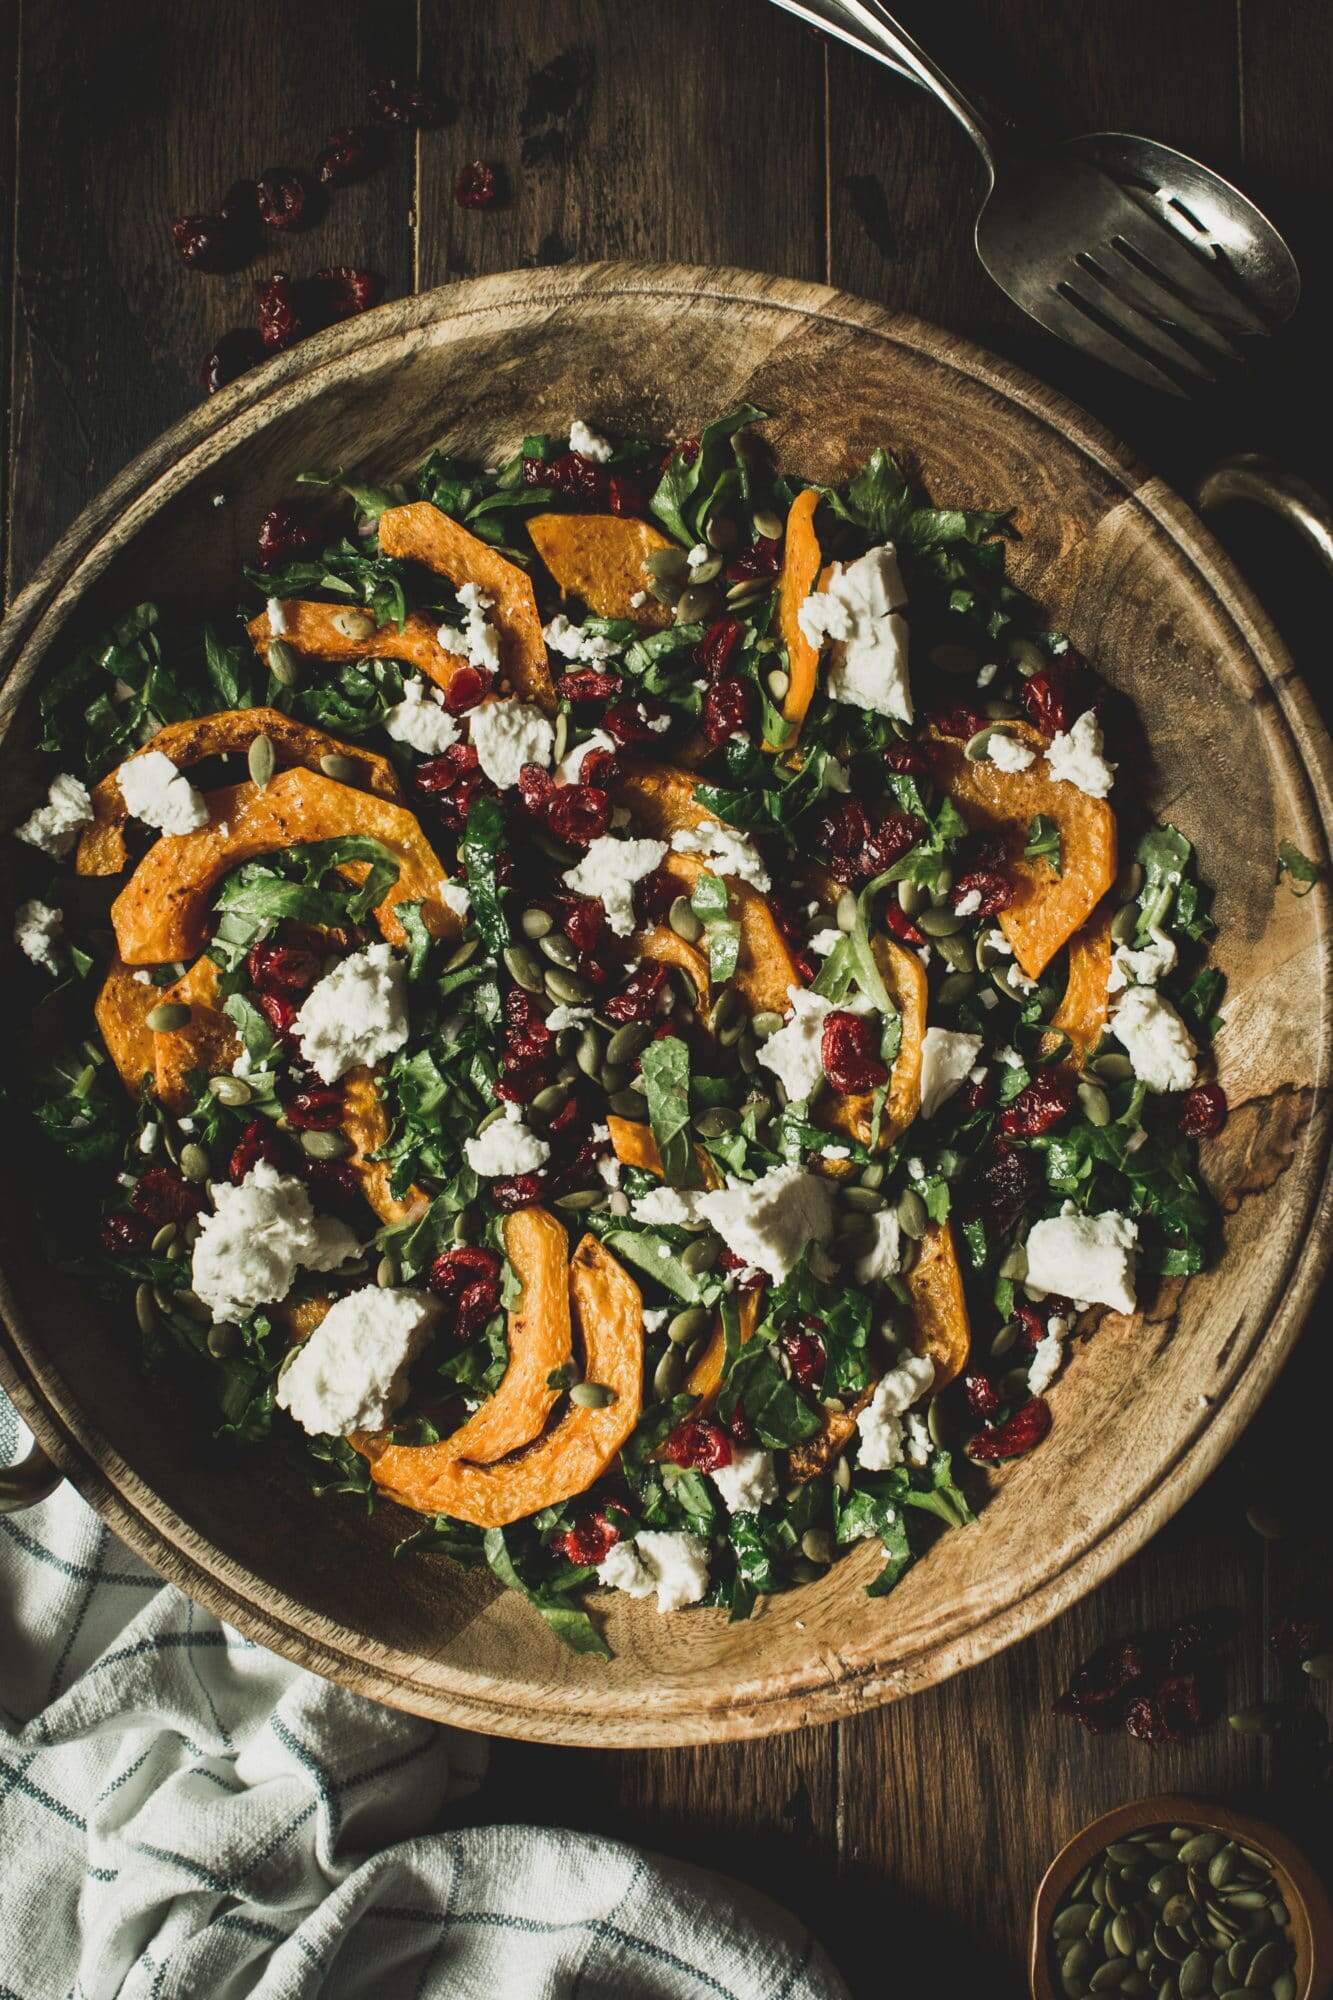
162, 912
599, 558
121, 1011
806, 1461
608, 1316
1048, 908
540, 1340
366, 1125
800, 572
665, 947
634, 1146
661, 798
705, 1378
207, 1041
905, 978
421, 533
1084, 1005
765, 969
309, 629
102, 849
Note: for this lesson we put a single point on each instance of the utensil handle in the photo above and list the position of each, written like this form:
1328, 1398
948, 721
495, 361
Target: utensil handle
34, 1478
1248, 475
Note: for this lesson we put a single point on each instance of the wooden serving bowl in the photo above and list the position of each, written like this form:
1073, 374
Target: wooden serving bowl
1302, 1890
1232, 751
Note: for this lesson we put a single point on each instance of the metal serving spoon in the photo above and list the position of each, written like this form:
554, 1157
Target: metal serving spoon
1125, 248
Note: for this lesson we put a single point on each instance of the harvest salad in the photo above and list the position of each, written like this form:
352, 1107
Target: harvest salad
627, 1012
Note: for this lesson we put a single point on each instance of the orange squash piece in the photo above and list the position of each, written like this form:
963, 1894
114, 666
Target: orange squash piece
207, 1041
705, 1378
905, 978
366, 1125
1084, 1005
814, 1455
102, 849
608, 1314
940, 1328
421, 533
634, 1146
800, 572
666, 947
1048, 908
121, 1011
162, 912
661, 798
599, 558
309, 629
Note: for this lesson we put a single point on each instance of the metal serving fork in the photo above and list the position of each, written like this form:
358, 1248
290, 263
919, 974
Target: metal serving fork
1125, 248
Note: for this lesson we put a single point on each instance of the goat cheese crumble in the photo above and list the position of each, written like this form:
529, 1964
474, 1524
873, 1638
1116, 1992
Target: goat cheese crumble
608, 872
946, 1058
793, 1053
1008, 754
258, 1237
55, 826
506, 735
456, 896
880, 1423
1075, 757
569, 770
883, 1255
587, 443
768, 1222
351, 1373
571, 642
750, 1480
1087, 1258
477, 640
421, 720
859, 614
506, 1147
1156, 1040
38, 929
355, 1015
157, 793
673, 1565
725, 851
1144, 967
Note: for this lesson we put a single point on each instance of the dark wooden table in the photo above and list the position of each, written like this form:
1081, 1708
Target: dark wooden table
719, 132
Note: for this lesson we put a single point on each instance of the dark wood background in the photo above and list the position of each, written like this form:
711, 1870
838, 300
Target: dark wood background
720, 132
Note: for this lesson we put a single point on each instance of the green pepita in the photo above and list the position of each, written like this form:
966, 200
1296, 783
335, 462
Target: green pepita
591, 1395
261, 760
557, 947
194, 1162
718, 1120
463, 954
742, 595
721, 532
668, 1374
567, 986
1195, 1976
940, 923
1223, 1865
230, 1090
701, 1255
768, 524
779, 683
817, 1546
687, 1325
695, 604
1014, 1264
1110, 1978
580, 1201
1112, 1067
550, 1100
666, 562
727, 1012
956, 988
1262, 1718
353, 624
626, 1104
223, 1339
144, 1309
1266, 1520
956, 952
284, 662
167, 1017
535, 923
684, 922
1094, 1104
325, 1145
977, 748
1319, 1666
1125, 924
866, 1199
613, 1078
588, 1053
164, 1239
765, 1023
628, 1042
951, 658
387, 1272
345, 770
911, 897
913, 1216
523, 967
847, 911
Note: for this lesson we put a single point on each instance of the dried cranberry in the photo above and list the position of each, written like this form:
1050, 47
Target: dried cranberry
477, 186
589, 1542
278, 311
637, 1000
973, 1095
746, 1275
535, 787
341, 291
522, 1078
1203, 1111
763, 558
1145, 1721
626, 495
317, 1108
466, 687
279, 1012
205, 243
728, 709
699, 1443
1294, 1639
959, 720
654, 894
259, 1141
453, 780
630, 721
462, 1265
849, 1051
1058, 695
285, 536
476, 1303
598, 768
805, 1351
908, 759
1181, 1701
982, 1397
526, 1033
282, 198
1005, 1183
1018, 1434
1031, 1326
335, 1186
896, 833
238, 350
162, 1195
719, 642
578, 814
583, 923
122, 1234
995, 890
397, 100
517, 1191
897, 920
569, 474
274, 967
1040, 1105
738, 1426
840, 837
589, 684
348, 155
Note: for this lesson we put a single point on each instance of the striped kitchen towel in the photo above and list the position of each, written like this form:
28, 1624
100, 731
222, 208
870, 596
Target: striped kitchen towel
184, 1816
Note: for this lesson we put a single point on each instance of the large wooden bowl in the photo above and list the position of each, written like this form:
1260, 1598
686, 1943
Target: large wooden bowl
1237, 760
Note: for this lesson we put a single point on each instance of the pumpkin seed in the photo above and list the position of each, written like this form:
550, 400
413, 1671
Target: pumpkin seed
1094, 1104
191, 1303
353, 624
940, 923
866, 1199
167, 1016
223, 1339
325, 1145
550, 1100
846, 913
1263, 1718
706, 572
768, 524
748, 592
765, 1023
687, 1325
1223, 1865
1195, 1976
164, 1239
144, 1309
566, 986
230, 1090
1014, 1264
1124, 1932
194, 1162
613, 1078
386, 1271
956, 988
588, 1053
1109, 1978
284, 662
1125, 923
580, 1200
464, 955
627, 1042
817, 1546
758, 1107
591, 1395
523, 967
559, 950
911, 897
1284, 1986
1112, 1067
779, 683
716, 1122
1247, 1899
913, 1217
1027, 656
998, 709
535, 923
720, 532
345, 769
1128, 882
625, 1104
666, 562
1266, 1520
1166, 1935
695, 604
560, 737
956, 952
701, 1255
684, 921
726, 1011
1165, 1882
977, 748
1004, 1339
1319, 1666
261, 760
666, 589
668, 1374
955, 659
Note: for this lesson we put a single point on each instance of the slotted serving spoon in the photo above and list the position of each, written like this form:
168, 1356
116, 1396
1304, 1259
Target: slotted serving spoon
1124, 247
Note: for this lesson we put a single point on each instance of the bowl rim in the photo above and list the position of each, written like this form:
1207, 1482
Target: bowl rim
761, 1706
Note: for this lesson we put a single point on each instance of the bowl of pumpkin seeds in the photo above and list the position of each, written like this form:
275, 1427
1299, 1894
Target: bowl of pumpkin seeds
1181, 1899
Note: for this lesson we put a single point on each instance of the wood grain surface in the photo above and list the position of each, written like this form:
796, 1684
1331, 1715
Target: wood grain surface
726, 134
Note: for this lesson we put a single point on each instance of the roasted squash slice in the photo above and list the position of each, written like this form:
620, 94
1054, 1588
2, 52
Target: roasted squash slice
599, 558
806, 1461
705, 1378
661, 798
634, 1146
540, 1341
800, 572
666, 947
366, 1125
309, 629
1048, 908
905, 978
162, 912
102, 849
421, 533
565, 1460
1084, 1005
207, 1041
121, 1011
765, 970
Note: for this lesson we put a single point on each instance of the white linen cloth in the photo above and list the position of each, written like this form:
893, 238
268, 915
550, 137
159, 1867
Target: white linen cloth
185, 1816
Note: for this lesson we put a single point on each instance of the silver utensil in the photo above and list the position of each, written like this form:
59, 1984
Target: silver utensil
1124, 247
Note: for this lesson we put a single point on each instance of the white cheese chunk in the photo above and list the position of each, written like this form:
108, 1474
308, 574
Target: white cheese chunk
506, 1147
55, 826
1156, 1040
569, 770
1088, 1258
880, 1422
562, 1017
351, 1373
277, 617
883, 1255
825, 941
608, 872
1047, 1355
859, 615
506, 735
676, 1207
793, 1053
355, 1015
725, 851
748, 1482
476, 639
1144, 967
768, 1222
421, 720
258, 1237
156, 792
1075, 757
946, 1058
673, 1565
587, 443
456, 896
571, 642
968, 904
1007, 753
38, 929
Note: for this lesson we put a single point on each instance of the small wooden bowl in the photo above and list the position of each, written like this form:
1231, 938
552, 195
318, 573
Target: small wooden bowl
1302, 1890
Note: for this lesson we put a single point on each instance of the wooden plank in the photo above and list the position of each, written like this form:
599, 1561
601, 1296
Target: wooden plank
9, 104
628, 131
132, 121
